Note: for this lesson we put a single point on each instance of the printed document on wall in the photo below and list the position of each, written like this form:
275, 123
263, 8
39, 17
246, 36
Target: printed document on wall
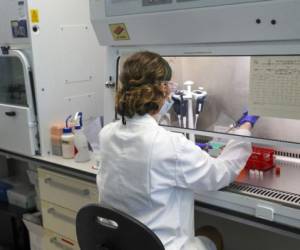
275, 86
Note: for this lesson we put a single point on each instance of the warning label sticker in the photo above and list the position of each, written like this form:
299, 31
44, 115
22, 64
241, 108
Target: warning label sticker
119, 31
35, 16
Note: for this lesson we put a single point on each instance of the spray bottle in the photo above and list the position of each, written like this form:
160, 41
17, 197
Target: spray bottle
82, 153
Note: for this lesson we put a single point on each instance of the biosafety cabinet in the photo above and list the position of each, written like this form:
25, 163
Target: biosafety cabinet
50, 66
227, 57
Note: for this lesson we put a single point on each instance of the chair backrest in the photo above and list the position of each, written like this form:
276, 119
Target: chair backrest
103, 228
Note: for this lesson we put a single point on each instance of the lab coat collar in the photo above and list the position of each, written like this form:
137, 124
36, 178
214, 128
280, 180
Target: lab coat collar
148, 119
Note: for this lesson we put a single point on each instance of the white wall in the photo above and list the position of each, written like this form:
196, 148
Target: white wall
68, 64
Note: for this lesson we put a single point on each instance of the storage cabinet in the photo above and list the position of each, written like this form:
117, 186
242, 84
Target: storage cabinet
53, 241
61, 198
13, 234
66, 191
18, 130
59, 219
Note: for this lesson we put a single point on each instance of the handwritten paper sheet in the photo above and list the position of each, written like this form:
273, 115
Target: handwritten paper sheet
275, 86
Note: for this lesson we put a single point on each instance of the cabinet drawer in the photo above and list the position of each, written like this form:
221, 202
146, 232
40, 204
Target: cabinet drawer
15, 133
66, 191
53, 241
59, 220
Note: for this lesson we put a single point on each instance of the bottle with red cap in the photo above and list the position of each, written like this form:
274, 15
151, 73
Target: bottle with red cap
67, 141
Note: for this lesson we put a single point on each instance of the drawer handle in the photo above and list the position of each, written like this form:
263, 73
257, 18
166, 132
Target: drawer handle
58, 244
10, 113
61, 216
82, 192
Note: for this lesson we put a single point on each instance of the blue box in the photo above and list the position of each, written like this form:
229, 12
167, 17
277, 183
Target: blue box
3, 191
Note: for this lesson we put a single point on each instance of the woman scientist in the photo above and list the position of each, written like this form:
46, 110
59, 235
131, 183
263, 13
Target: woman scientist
152, 174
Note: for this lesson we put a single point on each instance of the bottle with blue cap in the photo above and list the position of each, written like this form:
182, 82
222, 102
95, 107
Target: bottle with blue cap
67, 140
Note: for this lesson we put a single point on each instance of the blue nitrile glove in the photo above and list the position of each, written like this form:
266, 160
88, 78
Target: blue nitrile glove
247, 118
204, 146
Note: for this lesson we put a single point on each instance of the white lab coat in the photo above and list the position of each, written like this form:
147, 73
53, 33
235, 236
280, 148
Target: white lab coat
152, 174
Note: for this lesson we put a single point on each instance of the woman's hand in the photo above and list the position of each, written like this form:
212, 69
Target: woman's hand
246, 118
246, 125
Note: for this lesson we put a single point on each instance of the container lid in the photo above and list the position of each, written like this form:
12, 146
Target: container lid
23, 191
57, 129
5, 186
77, 127
35, 218
67, 130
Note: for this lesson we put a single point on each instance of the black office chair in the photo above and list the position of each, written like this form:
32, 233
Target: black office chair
102, 228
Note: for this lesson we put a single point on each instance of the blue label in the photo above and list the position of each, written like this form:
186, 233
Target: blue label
19, 28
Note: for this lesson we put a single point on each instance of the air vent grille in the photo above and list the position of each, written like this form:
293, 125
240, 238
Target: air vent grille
288, 154
265, 193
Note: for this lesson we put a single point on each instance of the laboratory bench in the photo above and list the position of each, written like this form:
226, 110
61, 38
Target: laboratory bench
86, 171
64, 186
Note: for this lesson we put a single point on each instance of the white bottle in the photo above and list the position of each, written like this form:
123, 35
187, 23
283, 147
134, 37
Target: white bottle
82, 153
67, 141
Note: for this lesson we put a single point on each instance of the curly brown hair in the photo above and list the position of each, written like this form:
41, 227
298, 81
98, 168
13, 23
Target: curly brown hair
142, 78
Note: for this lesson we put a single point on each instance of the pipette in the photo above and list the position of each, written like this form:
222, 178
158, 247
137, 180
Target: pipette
180, 107
200, 96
